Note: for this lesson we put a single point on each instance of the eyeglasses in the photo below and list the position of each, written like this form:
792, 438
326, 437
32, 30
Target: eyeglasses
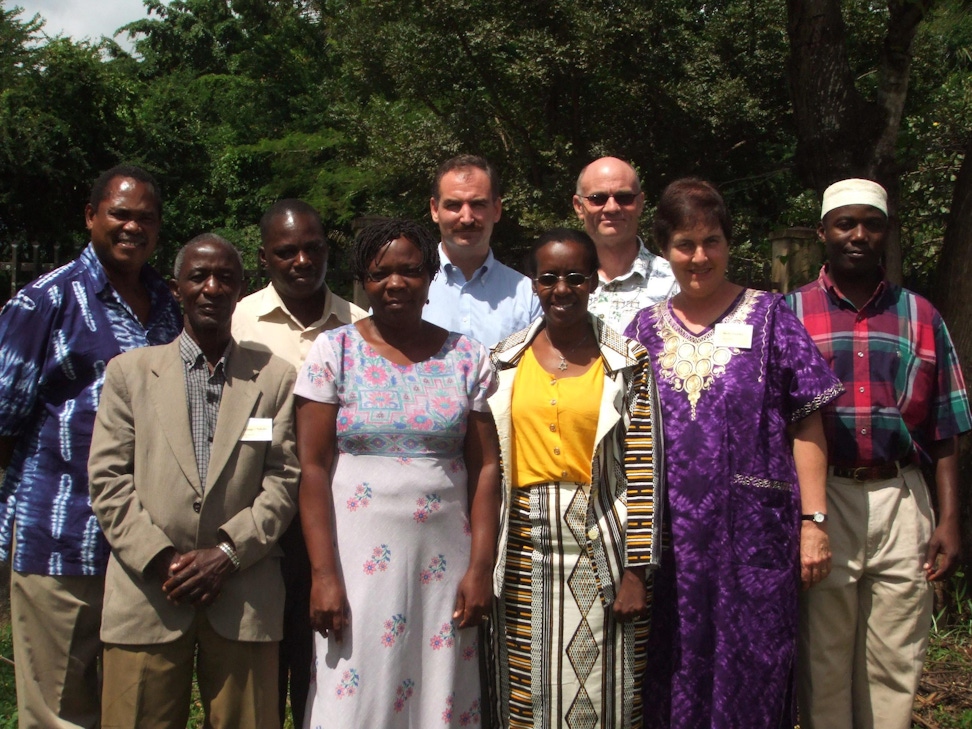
573, 279
599, 199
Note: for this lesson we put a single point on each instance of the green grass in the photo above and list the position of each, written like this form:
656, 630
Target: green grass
8, 691
944, 698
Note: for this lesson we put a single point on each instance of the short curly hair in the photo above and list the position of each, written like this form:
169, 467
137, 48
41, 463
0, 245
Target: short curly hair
282, 207
200, 240
376, 236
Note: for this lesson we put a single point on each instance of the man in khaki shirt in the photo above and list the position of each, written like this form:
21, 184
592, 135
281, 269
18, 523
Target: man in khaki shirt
287, 315
285, 318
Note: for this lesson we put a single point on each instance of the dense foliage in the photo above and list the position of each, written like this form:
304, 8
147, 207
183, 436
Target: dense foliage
351, 105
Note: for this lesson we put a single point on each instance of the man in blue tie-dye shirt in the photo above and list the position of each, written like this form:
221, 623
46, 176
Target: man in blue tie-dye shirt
56, 337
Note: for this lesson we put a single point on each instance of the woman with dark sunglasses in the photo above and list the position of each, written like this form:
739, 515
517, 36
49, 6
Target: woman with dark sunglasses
575, 418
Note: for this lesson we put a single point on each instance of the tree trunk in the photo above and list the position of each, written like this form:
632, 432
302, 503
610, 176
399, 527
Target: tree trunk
953, 297
840, 133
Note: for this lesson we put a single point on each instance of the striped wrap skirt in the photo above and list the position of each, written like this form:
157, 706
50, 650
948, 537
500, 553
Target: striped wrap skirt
561, 658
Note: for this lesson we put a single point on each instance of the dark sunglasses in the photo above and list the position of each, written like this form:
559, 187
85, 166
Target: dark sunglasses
599, 199
573, 279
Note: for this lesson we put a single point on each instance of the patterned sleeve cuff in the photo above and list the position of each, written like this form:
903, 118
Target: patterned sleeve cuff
816, 403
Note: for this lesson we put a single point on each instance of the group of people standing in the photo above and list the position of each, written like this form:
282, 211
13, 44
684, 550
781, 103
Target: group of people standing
621, 491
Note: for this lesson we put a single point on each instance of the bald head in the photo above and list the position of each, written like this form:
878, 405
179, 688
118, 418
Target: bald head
606, 166
609, 202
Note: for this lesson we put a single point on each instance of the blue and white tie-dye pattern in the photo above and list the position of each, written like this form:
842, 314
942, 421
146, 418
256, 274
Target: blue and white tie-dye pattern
56, 337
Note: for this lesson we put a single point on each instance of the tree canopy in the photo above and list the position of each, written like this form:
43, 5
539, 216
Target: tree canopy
352, 105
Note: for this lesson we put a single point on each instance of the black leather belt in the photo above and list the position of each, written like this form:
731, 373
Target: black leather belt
881, 472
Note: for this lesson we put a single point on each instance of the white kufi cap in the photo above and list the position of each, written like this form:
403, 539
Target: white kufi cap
854, 191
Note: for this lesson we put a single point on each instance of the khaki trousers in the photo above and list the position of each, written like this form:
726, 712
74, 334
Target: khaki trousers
56, 623
864, 629
149, 686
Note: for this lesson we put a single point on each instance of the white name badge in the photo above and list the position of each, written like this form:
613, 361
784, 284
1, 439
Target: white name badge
258, 429
739, 336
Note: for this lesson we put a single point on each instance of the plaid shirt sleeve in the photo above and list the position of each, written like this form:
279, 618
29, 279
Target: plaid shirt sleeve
950, 409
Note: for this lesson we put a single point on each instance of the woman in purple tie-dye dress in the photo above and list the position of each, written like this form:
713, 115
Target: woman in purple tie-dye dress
741, 385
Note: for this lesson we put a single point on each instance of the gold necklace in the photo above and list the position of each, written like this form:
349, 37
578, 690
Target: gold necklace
563, 357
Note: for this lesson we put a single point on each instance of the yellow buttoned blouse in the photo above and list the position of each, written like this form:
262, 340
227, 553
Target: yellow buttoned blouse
554, 423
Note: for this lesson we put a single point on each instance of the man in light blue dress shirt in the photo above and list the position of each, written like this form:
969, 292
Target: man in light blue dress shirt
474, 293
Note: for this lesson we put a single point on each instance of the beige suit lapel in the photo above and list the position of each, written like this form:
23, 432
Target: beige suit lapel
240, 394
168, 393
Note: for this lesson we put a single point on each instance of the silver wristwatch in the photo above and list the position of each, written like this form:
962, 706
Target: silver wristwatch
817, 517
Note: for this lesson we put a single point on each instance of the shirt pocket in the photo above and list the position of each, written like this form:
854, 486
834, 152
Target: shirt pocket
762, 531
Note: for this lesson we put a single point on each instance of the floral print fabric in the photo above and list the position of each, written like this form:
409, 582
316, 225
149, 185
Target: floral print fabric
403, 534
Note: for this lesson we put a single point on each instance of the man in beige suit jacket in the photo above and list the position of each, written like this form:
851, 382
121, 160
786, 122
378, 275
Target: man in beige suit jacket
193, 477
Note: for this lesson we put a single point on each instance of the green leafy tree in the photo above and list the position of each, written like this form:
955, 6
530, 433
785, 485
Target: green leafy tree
541, 88
941, 186
230, 113
849, 106
59, 127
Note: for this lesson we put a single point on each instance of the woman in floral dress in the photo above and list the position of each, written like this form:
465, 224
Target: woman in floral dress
399, 501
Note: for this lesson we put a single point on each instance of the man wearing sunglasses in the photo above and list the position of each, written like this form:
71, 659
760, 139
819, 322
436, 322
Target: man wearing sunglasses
609, 201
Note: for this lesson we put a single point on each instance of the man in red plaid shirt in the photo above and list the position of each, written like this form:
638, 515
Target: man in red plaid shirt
864, 629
